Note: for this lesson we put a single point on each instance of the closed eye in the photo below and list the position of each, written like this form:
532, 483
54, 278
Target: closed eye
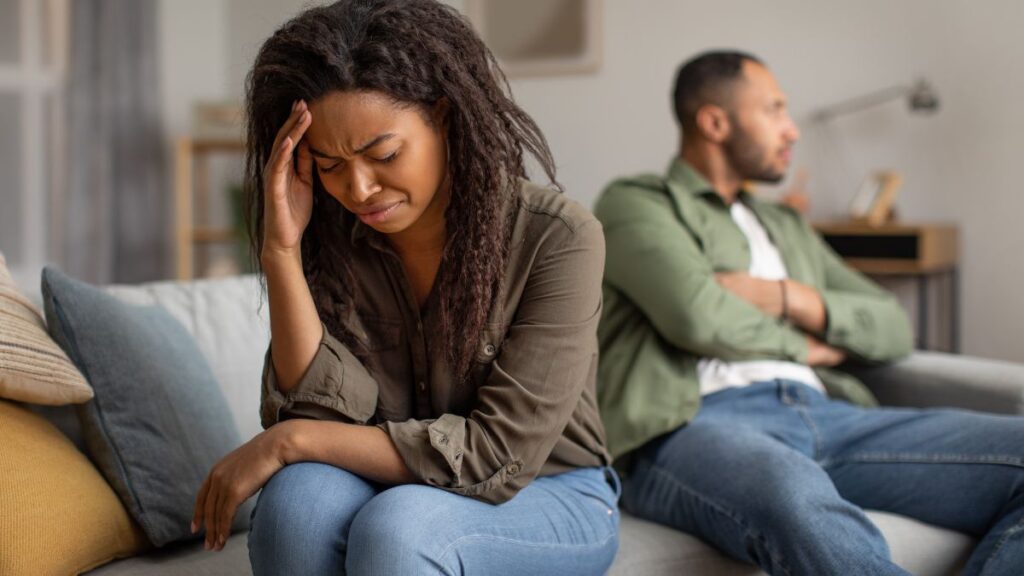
387, 158
329, 169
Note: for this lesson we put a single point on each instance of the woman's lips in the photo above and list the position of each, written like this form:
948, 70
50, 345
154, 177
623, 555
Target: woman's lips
376, 215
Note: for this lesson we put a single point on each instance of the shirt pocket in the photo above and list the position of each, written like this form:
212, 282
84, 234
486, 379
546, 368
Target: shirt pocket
487, 351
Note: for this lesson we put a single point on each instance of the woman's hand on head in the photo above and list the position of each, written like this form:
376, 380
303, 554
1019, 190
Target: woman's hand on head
288, 186
233, 480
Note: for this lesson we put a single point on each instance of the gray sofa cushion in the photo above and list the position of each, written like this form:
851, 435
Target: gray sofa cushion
645, 549
228, 318
653, 550
158, 421
186, 560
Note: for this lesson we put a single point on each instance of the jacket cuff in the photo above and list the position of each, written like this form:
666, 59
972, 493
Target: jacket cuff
845, 320
434, 450
335, 382
794, 346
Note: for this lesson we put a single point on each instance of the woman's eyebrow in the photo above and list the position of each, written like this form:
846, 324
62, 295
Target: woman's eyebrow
360, 150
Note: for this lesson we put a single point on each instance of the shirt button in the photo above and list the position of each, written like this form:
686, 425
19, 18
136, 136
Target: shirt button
489, 350
423, 386
513, 469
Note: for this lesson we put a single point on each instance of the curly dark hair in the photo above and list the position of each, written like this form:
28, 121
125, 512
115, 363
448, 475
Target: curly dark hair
418, 53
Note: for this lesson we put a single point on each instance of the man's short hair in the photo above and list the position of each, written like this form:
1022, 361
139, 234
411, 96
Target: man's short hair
705, 79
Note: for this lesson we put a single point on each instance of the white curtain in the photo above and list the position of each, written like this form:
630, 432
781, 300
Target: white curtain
117, 209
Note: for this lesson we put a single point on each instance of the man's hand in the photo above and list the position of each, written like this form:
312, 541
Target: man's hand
802, 305
233, 480
821, 354
765, 294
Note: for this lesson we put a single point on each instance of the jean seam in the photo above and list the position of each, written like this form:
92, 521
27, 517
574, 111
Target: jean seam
910, 458
451, 546
999, 545
818, 440
739, 520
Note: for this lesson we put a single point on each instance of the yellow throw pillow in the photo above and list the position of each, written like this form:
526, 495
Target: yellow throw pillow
32, 367
57, 514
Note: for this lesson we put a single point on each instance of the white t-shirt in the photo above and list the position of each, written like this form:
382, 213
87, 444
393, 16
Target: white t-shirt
765, 263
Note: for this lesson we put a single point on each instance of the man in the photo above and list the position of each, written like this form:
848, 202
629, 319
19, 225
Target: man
723, 323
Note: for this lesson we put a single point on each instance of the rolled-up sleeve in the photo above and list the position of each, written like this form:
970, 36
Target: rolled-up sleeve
336, 385
536, 380
863, 318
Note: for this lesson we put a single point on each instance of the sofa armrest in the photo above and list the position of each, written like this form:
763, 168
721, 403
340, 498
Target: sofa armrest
926, 379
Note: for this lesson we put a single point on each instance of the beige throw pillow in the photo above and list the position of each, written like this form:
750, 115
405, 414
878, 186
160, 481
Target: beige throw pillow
33, 368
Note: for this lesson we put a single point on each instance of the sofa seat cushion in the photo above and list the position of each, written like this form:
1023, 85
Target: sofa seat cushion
186, 559
645, 548
654, 550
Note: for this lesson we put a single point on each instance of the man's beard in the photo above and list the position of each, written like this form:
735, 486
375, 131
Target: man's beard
750, 160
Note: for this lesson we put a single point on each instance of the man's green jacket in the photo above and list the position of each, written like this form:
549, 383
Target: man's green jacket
663, 310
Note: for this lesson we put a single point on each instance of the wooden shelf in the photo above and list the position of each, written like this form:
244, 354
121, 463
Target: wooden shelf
923, 252
203, 145
192, 194
214, 236
894, 249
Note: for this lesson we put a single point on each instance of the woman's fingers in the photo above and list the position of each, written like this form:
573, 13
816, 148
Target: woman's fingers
305, 164
226, 508
283, 162
199, 511
211, 513
287, 125
290, 133
302, 123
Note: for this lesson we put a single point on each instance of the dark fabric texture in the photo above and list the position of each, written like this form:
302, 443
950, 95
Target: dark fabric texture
158, 421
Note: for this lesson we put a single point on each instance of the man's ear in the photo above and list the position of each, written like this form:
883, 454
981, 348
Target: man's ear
713, 123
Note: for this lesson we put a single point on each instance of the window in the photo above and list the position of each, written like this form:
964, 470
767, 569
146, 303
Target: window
33, 48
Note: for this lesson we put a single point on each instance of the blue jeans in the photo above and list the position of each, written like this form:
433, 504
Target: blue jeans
316, 519
776, 474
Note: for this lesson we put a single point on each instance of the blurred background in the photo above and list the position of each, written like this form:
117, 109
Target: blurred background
120, 149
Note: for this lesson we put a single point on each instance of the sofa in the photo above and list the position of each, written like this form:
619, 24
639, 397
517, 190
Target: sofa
230, 326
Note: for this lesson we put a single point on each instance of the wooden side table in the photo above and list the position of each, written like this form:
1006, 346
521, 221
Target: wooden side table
924, 252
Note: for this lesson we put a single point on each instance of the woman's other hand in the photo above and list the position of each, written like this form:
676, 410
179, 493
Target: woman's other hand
233, 480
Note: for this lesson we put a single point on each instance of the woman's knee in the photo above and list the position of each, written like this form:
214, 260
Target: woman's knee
304, 512
403, 530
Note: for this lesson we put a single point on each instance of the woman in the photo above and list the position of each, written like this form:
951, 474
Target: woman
428, 395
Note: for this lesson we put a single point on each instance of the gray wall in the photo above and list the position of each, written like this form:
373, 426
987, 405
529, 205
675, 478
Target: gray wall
959, 166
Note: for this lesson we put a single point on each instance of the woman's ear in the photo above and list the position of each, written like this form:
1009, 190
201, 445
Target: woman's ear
439, 115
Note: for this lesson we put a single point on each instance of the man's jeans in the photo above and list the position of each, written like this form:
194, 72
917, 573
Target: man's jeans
777, 474
313, 518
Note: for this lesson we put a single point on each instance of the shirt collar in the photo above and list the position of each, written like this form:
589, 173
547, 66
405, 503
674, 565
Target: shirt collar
685, 177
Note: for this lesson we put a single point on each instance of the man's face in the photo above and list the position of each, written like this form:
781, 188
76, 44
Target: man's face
762, 133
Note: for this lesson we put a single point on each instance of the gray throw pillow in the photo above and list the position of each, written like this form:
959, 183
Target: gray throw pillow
158, 421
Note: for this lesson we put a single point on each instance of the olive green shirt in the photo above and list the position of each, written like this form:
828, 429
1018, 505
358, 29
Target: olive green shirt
663, 310
529, 405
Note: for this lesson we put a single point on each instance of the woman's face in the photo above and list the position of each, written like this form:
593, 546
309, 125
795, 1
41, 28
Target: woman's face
384, 162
